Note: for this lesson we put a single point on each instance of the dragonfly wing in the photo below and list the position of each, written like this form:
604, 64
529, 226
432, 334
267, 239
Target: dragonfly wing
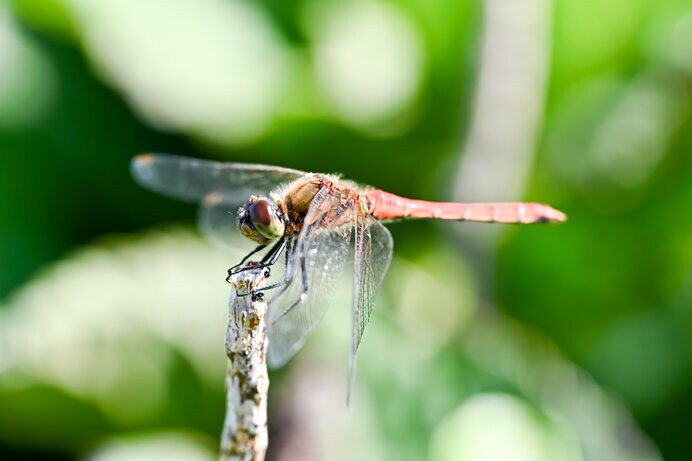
317, 260
373, 254
218, 217
372, 257
193, 179
221, 188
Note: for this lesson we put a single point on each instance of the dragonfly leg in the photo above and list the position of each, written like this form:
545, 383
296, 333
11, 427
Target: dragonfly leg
273, 254
234, 269
300, 298
267, 261
287, 277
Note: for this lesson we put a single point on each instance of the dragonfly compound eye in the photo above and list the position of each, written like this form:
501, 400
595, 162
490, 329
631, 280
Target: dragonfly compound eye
260, 213
260, 220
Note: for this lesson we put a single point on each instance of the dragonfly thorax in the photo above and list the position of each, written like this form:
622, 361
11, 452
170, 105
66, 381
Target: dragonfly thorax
261, 220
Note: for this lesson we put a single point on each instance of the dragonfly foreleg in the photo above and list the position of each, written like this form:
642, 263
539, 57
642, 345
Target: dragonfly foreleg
267, 261
234, 269
287, 277
273, 254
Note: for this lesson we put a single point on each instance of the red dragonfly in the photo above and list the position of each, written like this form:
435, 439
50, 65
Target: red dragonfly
309, 218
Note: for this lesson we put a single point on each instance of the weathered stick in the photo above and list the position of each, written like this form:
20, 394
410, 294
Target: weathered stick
244, 436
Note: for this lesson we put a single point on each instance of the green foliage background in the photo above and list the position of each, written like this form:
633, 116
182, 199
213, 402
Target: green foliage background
605, 299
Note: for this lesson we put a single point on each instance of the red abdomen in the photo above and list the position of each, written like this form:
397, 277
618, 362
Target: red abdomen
384, 205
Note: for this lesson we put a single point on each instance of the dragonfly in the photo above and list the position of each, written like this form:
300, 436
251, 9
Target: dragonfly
311, 219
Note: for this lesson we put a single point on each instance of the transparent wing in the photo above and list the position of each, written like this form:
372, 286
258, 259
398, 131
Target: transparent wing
315, 264
373, 253
221, 188
193, 179
218, 219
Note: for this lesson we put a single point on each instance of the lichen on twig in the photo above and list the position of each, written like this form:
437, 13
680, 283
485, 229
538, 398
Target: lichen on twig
244, 435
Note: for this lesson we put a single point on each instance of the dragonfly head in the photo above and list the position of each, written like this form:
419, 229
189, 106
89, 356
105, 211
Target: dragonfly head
261, 220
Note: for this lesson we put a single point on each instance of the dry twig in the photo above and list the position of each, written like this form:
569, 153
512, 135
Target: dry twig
244, 435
